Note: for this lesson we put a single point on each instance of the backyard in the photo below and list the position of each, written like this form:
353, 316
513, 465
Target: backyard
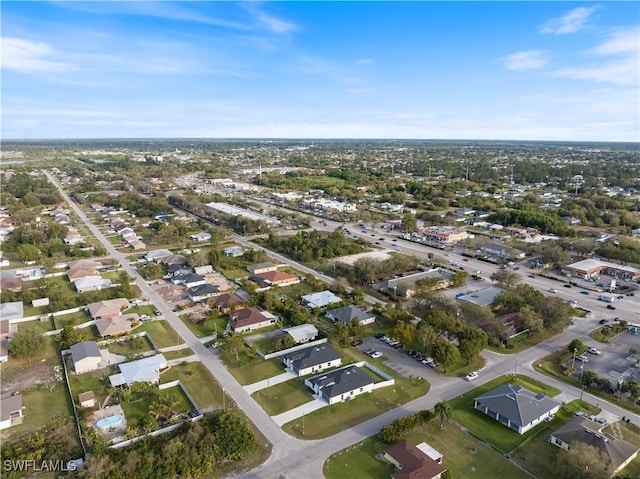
203, 388
160, 332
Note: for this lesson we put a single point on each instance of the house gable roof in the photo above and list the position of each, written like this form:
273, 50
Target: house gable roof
142, 370
227, 299
83, 350
340, 381
302, 332
517, 404
583, 430
348, 313
248, 316
203, 289
277, 276
109, 306
310, 357
321, 299
115, 325
12, 310
415, 463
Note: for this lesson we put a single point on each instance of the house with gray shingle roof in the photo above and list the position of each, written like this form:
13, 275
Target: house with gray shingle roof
516, 407
583, 430
348, 313
12, 310
86, 356
311, 360
341, 385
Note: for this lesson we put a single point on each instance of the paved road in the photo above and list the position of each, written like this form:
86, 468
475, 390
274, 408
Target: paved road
304, 459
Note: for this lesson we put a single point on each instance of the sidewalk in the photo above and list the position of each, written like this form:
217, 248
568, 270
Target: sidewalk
299, 411
257, 386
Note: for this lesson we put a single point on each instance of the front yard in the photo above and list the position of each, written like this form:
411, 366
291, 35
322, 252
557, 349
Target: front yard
160, 332
284, 396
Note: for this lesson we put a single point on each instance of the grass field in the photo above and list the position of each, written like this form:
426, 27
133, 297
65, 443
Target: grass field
202, 387
161, 333
486, 428
338, 417
207, 326
130, 346
96, 381
257, 370
284, 396
463, 455
71, 319
180, 353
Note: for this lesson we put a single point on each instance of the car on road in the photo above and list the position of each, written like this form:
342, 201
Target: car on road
620, 296
582, 358
553, 290
594, 351
573, 301
567, 286
356, 342
586, 293
376, 355
610, 306
630, 294
471, 376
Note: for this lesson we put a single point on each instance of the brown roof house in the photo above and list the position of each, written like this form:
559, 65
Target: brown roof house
581, 429
81, 268
227, 301
278, 278
248, 319
262, 268
108, 308
87, 399
116, 325
415, 462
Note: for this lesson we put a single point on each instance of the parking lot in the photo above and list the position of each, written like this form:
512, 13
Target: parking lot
397, 359
615, 362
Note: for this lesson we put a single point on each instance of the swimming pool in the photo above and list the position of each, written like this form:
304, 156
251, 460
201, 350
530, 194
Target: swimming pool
109, 421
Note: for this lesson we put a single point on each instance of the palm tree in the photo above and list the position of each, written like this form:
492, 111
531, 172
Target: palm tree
442, 411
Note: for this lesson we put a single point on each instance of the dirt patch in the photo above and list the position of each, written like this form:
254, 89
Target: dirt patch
171, 293
220, 281
26, 377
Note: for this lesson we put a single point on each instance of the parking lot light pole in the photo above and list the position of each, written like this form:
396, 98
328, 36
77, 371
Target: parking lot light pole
573, 361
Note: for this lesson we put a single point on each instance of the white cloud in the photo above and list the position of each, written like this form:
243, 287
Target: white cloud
27, 56
572, 22
525, 60
269, 21
623, 69
364, 61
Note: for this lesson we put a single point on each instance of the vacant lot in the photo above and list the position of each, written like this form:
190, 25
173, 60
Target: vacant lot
284, 396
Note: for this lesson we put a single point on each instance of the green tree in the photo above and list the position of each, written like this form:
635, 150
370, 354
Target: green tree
425, 334
403, 331
70, 336
356, 330
458, 278
233, 345
442, 411
28, 252
342, 333
471, 341
125, 289
25, 343
445, 353
506, 278
583, 461
576, 346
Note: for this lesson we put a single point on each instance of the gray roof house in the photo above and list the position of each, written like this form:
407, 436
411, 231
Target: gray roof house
12, 310
341, 385
302, 333
311, 360
581, 429
86, 357
515, 407
157, 254
202, 291
348, 313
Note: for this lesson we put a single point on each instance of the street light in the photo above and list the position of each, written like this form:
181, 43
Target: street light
573, 361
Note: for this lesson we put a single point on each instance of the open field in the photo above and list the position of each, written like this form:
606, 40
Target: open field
202, 387
161, 333
284, 396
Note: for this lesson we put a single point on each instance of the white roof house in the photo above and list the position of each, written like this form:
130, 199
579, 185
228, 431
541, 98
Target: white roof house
92, 283
12, 310
143, 370
302, 333
321, 299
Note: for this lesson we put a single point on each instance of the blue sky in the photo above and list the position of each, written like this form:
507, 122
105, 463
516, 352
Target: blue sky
450, 70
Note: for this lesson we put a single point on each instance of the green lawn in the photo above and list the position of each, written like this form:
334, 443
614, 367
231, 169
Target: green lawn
486, 428
207, 326
141, 310
181, 353
71, 319
161, 333
96, 381
257, 370
284, 396
49, 350
202, 387
463, 455
130, 346
338, 417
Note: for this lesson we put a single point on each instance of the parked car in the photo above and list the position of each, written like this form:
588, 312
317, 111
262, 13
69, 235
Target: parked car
379, 335
376, 354
582, 358
630, 294
601, 420
581, 414
594, 351
471, 376
398, 346
356, 342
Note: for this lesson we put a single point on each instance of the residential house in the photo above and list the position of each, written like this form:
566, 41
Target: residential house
12, 311
157, 254
86, 357
73, 237
82, 268
87, 399
516, 407
116, 325
233, 251
5, 331
249, 319
341, 385
262, 268
92, 283
311, 360
175, 270
348, 313
136, 244
173, 259
202, 291
145, 370
302, 333
202, 236
414, 462
11, 413
275, 278
107, 308
582, 430
320, 300
227, 301
188, 280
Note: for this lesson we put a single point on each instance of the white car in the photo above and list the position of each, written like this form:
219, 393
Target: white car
553, 290
582, 358
471, 376
594, 351
376, 354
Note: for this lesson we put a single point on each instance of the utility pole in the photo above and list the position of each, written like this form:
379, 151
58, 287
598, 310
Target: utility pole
573, 361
